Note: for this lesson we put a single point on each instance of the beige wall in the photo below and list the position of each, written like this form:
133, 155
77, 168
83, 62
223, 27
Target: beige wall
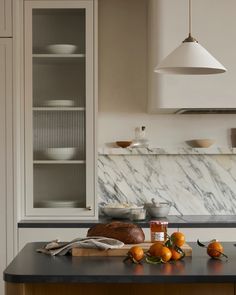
122, 55
123, 84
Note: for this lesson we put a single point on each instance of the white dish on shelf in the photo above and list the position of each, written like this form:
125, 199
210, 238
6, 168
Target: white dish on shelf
61, 48
58, 204
60, 154
118, 212
59, 103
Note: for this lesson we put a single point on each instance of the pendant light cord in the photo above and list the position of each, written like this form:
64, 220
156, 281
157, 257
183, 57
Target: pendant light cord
190, 17
190, 38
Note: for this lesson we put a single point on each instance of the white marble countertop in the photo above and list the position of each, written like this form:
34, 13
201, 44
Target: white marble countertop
167, 151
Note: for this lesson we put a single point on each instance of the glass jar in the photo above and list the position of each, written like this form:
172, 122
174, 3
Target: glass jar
158, 231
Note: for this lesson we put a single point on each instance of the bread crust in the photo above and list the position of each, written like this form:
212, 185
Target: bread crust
127, 233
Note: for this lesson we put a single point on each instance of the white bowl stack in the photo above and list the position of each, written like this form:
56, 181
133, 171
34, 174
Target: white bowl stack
61, 154
61, 48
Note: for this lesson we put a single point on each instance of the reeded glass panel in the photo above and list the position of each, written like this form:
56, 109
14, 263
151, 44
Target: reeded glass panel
59, 95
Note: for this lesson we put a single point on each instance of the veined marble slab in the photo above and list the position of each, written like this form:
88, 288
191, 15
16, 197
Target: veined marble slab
167, 151
199, 184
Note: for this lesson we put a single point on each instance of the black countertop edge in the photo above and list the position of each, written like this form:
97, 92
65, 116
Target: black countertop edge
119, 279
185, 221
32, 267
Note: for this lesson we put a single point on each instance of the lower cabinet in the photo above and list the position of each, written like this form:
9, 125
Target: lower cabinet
28, 235
207, 234
117, 289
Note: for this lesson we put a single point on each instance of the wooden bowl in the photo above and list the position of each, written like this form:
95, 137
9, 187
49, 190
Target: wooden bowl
200, 143
123, 144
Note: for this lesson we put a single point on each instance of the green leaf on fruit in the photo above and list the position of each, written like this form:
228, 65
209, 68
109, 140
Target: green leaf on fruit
153, 260
200, 244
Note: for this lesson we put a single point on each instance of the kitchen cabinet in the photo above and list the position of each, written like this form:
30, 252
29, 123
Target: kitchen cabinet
60, 110
207, 234
5, 18
6, 171
48, 234
27, 235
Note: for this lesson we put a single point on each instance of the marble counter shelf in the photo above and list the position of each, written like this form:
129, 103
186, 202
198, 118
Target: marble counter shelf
167, 151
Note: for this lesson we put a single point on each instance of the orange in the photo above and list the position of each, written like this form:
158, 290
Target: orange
136, 253
178, 239
175, 255
155, 249
165, 254
215, 249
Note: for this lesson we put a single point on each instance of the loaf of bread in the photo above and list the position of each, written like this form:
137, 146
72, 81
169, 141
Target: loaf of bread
127, 233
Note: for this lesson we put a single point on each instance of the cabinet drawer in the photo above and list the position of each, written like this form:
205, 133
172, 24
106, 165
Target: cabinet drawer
207, 234
27, 235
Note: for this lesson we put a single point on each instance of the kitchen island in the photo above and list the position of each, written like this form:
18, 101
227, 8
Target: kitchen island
34, 273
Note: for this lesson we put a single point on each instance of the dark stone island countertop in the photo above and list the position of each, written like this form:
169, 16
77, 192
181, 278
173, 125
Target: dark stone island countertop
31, 267
185, 221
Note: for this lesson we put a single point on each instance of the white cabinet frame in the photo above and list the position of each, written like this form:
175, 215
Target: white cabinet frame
28, 211
5, 18
6, 157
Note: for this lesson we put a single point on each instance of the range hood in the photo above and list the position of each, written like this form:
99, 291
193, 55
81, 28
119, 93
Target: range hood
205, 111
187, 94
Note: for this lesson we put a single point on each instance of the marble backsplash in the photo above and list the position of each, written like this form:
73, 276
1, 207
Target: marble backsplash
195, 182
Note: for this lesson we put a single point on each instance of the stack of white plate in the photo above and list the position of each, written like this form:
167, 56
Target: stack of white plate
59, 103
61, 48
58, 204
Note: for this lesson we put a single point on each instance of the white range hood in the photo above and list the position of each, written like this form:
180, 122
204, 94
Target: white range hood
167, 24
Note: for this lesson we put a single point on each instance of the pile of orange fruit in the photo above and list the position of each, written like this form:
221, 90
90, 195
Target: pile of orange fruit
162, 252
159, 252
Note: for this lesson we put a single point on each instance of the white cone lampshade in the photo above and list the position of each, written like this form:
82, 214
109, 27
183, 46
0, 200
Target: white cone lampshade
190, 58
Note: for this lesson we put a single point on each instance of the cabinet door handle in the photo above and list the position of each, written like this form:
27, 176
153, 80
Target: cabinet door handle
89, 208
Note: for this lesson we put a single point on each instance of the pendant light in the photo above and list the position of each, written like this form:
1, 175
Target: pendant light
190, 58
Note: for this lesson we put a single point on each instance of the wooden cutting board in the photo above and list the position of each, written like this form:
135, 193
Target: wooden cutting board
120, 252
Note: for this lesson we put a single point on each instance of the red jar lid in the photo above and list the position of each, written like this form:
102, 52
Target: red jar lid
160, 222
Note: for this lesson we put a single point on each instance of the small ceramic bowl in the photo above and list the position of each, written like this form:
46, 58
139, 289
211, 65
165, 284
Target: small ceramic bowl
200, 143
60, 154
61, 48
116, 212
162, 210
123, 144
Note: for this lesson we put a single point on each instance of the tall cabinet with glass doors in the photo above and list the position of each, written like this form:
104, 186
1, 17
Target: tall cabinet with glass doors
59, 116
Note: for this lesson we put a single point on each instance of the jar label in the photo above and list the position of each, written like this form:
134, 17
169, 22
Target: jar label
159, 236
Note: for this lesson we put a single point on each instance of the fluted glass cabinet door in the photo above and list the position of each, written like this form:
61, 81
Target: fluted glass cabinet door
59, 109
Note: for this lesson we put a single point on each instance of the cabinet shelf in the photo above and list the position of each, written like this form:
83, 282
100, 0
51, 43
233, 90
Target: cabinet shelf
55, 56
59, 162
46, 109
49, 58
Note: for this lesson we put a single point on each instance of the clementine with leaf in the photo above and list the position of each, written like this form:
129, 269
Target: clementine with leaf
215, 249
136, 253
155, 249
178, 239
165, 254
175, 254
